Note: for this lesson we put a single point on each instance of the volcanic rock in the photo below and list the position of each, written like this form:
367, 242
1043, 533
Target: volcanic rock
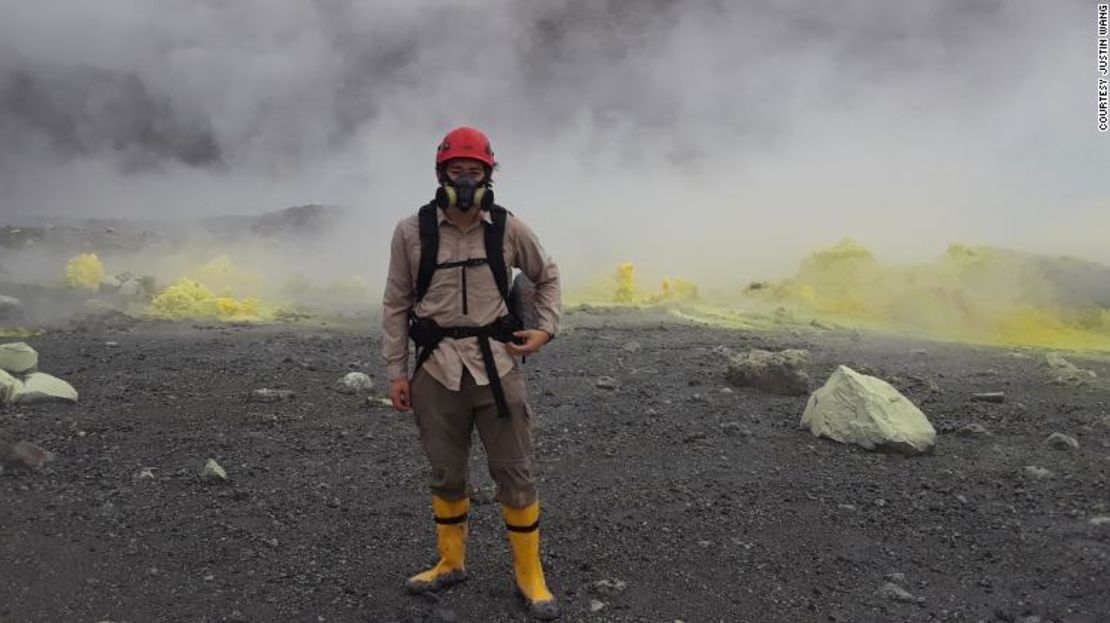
133, 289
212, 472
608, 587
894, 592
783, 372
1060, 441
10, 387
869, 412
606, 382
41, 387
99, 307
23, 454
972, 430
1037, 472
996, 397
1063, 372
18, 358
265, 395
298, 221
354, 383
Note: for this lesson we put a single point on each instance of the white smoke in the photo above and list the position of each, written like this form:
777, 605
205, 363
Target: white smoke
716, 141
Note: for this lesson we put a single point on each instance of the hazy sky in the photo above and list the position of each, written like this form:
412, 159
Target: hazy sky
718, 140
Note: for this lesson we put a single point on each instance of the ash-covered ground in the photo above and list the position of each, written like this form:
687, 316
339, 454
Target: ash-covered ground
668, 497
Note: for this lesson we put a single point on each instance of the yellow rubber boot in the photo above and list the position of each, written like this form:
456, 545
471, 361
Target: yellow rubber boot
451, 532
524, 536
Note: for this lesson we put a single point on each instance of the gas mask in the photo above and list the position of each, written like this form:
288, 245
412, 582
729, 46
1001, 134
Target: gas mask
464, 193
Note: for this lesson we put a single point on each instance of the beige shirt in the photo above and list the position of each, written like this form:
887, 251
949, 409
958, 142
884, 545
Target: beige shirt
444, 300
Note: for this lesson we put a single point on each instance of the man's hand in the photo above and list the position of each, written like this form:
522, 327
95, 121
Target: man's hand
534, 339
399, 393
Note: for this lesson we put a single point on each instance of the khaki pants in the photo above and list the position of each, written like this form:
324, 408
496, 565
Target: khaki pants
446, 418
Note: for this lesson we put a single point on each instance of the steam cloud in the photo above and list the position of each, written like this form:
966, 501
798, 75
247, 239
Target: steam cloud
717, 140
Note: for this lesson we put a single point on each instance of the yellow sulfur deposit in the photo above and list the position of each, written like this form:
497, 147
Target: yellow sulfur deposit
677, 289
626, 283
672, 290
187, 298
971, 293
20, 332
84, 271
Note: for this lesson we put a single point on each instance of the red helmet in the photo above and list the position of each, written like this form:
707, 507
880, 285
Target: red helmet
465, 143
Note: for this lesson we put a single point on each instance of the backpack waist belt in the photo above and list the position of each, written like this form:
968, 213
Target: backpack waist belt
428, 334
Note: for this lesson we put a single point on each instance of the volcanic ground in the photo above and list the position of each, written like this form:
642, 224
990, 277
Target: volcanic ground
670, 496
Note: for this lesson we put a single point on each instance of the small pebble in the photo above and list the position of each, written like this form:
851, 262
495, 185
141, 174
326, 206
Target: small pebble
212, 472
606, 382
1060, 441
972, 430
1037, 472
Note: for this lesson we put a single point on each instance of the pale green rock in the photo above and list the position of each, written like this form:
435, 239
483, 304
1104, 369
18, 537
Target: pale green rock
18, 358
1064, 372
41, 387
132, 289
867, 411
10, 387
213, 472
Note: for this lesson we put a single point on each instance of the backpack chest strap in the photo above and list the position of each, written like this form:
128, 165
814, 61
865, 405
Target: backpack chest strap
494, 236
471, 262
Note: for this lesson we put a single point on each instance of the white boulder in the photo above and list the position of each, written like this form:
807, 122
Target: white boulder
132, 289
354, 383
41, 387
10, 387
18, 358
867, 411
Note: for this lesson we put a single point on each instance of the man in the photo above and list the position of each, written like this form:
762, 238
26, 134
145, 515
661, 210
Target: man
454, 304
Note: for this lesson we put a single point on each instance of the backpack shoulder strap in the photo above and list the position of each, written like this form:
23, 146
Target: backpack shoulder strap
429, 249
495, 246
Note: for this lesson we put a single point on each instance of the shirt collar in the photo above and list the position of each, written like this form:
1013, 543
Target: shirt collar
443, 216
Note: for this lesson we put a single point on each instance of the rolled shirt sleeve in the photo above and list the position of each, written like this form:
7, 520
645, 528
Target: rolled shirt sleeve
396, 305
